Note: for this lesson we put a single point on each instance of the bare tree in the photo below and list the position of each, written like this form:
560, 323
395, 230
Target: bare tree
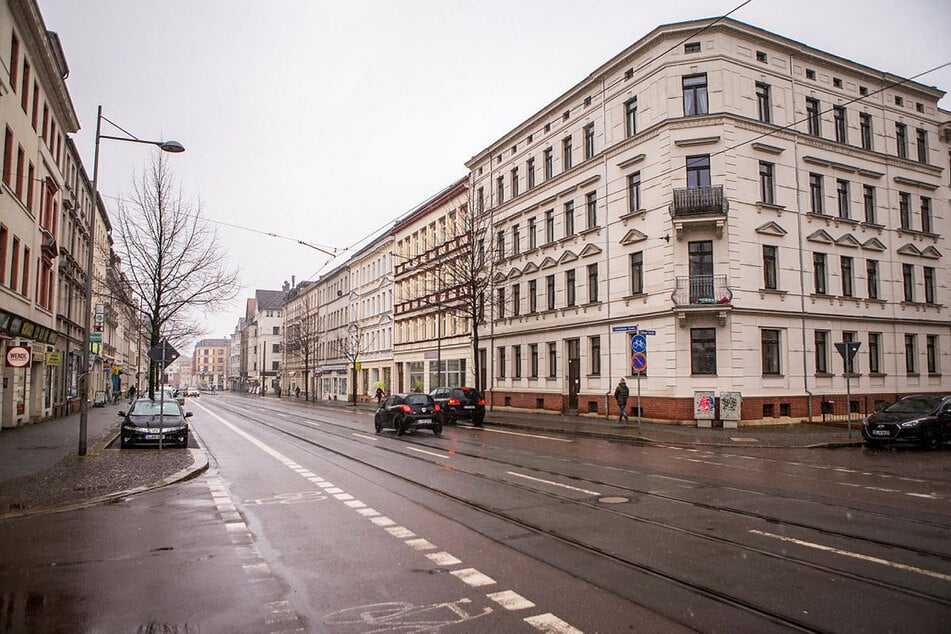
301, 341
353, 346
174, 261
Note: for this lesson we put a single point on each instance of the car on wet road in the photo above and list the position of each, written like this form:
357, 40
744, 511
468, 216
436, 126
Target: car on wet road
406, 413
924, 419
459, 403
149, 422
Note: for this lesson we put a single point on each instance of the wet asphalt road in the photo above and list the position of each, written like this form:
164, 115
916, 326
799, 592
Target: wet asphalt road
282, 535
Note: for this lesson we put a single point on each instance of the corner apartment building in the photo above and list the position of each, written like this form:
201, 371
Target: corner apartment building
748, 200
210, 363
36, 113
431, 344
261, 341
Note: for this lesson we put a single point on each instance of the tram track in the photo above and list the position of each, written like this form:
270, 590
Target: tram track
307, 422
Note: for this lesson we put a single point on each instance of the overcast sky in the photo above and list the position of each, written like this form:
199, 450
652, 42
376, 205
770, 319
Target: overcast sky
324, 121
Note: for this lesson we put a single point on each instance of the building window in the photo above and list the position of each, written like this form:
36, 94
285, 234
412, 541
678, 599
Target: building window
595, 356
865, 129
8, 158
514, 182
837, 82
845, 270
810, 74
841, 124
566, 153
910, 355
874, 353
552, 360
770, 346
516, 240
634, 192
569, 218
703, 351
589, 141
819, 272
592, 283
570, 298
761, 56
480, 200
766, 185
698, 171
533, 296
868, 200
901, 139
904, 209
822, 351
931, 348
500, 302
770, 268
908, 281
762, 101
549, 226
550, 291
921, 137
533, 360
591, 205
500, 245
926, 214
548, 163
813, 123
502, 362
532, 234
500, 190
530, 172
3, 254
695, 94
842, 194
630, 116
929, 285
815, 193
637, 273
899, 101
516, 299
871, 278
692, 47
517, 361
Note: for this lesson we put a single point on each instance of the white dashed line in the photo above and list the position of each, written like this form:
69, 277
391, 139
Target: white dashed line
551, 624
472, 577
443, 559
428, 453
400, 532
511, 600
382, 520
421, 544
846, 553
515, 433
365, 437
556, 484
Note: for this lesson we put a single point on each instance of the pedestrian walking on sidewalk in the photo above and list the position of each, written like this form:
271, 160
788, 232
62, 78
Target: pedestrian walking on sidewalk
620, 395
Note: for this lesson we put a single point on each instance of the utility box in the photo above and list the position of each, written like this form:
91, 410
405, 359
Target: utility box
704, 408
730, 409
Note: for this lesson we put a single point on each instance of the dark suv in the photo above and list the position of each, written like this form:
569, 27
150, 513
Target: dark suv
408, 412
459, 402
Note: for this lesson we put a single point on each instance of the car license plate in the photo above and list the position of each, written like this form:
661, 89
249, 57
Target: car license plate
423, 421
880, 432
469, 407
153, 436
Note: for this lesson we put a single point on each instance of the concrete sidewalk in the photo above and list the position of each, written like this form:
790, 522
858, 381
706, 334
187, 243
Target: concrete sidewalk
41, 471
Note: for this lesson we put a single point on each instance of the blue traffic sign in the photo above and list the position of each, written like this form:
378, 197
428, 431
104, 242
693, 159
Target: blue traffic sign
638, 343
623, 328
647, 332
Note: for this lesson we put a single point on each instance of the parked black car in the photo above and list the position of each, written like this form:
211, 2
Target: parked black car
149, 421
408, 412
459, 403
924, 419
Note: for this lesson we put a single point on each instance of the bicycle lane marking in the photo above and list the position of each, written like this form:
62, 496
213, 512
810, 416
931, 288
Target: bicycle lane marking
472, 577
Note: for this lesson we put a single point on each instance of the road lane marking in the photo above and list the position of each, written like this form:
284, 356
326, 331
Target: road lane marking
515, 433
511, 600
847, 553
443, 559
401, 532
551, 624
557, 484
365, 436
472, 577
420, 544
428, 453
927, 496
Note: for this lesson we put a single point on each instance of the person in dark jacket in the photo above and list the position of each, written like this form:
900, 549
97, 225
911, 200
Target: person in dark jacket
620, 395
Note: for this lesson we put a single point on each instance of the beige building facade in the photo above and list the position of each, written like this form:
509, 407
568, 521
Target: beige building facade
748, 201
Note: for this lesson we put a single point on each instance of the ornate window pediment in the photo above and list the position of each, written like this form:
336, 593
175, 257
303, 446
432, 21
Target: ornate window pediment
771, 228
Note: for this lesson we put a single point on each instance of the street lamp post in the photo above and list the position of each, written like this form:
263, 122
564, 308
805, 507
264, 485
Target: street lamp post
165, 146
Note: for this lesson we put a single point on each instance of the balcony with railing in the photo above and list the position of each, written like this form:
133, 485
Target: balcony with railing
702, 293
699, 207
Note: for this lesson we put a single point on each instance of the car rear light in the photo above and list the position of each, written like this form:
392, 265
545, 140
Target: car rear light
481, 401
436, 408
453, 401
406, 409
